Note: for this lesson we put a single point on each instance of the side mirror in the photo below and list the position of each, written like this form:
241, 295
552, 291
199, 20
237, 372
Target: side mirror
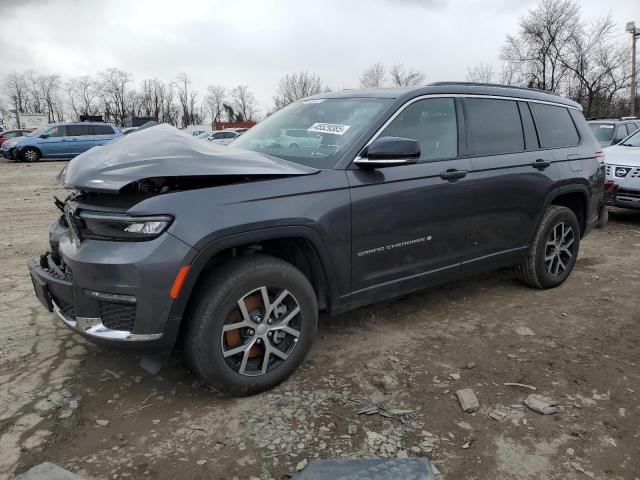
389, 152
44, 135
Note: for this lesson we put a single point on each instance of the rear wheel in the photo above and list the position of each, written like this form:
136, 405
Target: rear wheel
30, 155
252, 324
554, 250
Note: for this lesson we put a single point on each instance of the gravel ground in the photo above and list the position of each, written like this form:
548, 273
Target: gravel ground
97, 413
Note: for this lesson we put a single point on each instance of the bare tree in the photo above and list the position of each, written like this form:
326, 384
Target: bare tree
296, 86
215, 100
482, 73
243, 104
82, 95
187, 100
536, 52
374, 76
401, 77
15, 87
114, 84
49, 86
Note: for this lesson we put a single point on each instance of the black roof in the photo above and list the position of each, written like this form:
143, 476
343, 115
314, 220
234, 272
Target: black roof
468, 88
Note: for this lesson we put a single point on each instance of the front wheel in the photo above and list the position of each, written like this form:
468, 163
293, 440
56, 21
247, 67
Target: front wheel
30, 155
252, 324
554, 250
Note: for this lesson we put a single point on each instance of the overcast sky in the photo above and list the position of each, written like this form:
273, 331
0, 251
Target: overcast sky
256, 42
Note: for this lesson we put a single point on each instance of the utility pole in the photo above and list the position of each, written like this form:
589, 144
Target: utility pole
635, 33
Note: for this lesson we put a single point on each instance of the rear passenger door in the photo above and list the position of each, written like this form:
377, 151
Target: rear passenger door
102, 134
512, 178
80, 138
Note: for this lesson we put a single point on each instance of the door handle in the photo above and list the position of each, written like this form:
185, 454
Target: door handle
453, 174
541, 164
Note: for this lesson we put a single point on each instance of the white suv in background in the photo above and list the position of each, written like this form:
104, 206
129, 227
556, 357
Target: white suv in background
623, 169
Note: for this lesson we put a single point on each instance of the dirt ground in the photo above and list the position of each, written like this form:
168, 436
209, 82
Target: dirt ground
98, 414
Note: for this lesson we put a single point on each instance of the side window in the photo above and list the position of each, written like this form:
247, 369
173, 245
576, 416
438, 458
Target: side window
433, 123
555, 126
621, 132
78, 130
495, 126
632, 127
218, 136
58, 131
102, 130
229, 135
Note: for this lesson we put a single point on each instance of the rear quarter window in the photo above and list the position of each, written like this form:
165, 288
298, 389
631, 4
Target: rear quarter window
102, 130
555, 126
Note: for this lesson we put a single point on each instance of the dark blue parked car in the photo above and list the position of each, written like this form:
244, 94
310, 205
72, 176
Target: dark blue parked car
59, 140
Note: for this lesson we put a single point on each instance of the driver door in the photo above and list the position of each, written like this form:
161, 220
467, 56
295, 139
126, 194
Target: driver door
56, 144
409, 222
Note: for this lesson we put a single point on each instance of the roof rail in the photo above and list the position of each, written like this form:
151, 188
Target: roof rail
498, 85
612, 119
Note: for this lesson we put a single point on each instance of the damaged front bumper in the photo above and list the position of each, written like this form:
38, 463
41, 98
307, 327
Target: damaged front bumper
61, 302
115, 294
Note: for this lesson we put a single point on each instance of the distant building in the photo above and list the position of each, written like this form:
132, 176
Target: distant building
223, 125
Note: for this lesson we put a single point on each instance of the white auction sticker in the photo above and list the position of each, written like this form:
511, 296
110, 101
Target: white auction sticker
334, 128
606, 126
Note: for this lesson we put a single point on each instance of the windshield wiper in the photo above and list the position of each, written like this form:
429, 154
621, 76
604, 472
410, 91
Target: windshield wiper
628, 145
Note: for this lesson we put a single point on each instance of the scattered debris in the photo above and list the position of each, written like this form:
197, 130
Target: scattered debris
541, 404
610, 441
570, 452
387, 383
468, 400
498, 414
48, 471
454, 376
300, 466
578, 467
352, 429
621, 412
513, 384
470, 365
524, 331
466, 445
201, 462
131, 412
102, 423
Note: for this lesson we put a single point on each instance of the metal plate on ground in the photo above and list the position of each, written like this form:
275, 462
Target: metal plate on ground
368, 469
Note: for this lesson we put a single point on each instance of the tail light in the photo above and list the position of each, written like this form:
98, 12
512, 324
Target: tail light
600, 157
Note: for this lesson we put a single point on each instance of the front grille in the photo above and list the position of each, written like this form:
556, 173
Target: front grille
117, 316
623, 192
65, 307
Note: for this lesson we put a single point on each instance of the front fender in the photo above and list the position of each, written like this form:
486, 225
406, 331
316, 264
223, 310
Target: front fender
218, 245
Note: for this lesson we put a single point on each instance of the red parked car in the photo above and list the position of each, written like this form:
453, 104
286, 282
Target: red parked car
9, 134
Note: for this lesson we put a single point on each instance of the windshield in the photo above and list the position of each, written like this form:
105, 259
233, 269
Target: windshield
204, 134
633, 140
312, 132
602, 131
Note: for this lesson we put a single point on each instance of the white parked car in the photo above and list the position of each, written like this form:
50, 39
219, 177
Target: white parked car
622, 163
223, 137
296, 139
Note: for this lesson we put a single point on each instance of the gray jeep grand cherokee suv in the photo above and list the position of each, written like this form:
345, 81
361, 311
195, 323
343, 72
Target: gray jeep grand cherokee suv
236, 249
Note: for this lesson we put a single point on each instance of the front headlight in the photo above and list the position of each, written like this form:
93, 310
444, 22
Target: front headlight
123, 227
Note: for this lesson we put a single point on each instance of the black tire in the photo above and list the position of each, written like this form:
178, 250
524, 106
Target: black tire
603, 217
537, 271
30, 154
216, 300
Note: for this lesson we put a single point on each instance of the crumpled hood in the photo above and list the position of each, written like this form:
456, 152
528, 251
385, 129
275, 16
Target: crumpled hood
165, 151
621, 155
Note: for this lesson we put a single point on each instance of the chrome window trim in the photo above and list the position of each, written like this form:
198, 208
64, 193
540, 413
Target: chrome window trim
452, 95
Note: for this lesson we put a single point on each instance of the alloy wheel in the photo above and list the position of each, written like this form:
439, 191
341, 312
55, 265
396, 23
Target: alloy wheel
31, 155
262, 331
559, 249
